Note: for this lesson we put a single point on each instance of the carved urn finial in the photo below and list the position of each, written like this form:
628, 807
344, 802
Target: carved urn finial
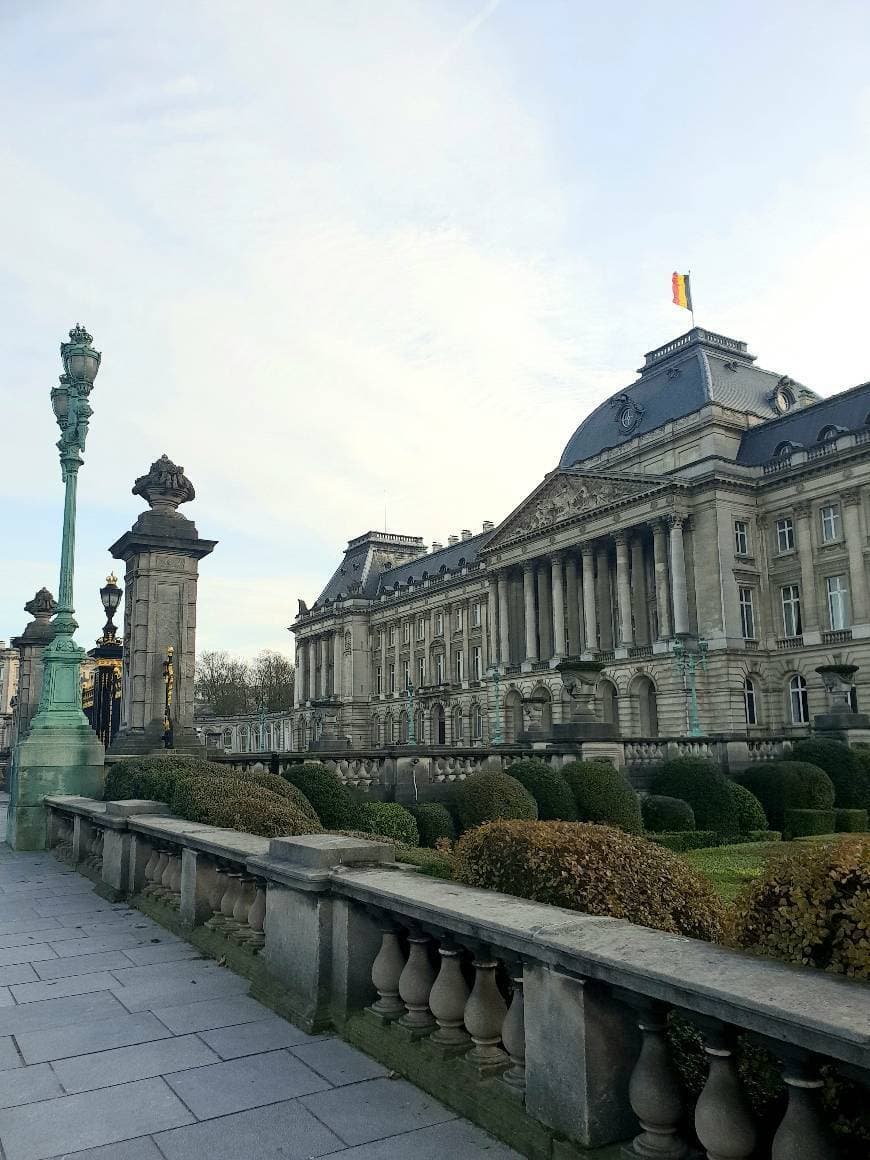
42, 607
165, 486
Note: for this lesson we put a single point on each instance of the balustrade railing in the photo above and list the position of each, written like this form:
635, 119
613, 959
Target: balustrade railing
563, 1016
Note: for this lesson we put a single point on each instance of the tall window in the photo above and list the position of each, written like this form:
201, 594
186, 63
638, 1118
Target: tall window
421, 627
421, 671
406, 632
394, 730
785, 534
797, 696
379, 638
750, 707
838, 602
460, 667
747, 612
791, 610
439, 669
476, 722
379, 681
406, 675
476, 663
475, 614
458, 726
228, 738
391, 636
439, 623
457, 618
375, 736
741, 538
830, 517
391, 671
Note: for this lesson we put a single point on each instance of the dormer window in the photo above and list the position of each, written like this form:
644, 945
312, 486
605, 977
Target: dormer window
783, 397
827, 434
783, 450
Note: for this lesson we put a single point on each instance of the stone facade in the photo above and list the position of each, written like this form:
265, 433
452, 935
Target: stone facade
8, 690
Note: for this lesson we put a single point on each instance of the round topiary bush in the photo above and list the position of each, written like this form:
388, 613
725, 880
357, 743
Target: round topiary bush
849, 773
435, 822
332, 801
391, 820
489, 795
284, 789
237, 804
703, 785
595, 869
811, 906
749, 810
666, 815
154, 778
601, 794
548, 787
785, 785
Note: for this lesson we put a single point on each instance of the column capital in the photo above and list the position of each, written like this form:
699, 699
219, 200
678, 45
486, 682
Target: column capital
587, 550
851, 497
529, 567
556, 557
678, 520
621, 538
659, 525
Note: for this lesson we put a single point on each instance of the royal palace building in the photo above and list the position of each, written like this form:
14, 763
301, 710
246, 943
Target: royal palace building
711, 511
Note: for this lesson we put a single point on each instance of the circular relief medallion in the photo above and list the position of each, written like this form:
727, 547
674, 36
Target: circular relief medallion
628, 413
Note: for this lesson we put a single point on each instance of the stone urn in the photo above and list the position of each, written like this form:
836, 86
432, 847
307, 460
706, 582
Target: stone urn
579, 679
838, 681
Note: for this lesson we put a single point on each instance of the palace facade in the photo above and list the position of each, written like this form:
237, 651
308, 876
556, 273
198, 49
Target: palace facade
711, 503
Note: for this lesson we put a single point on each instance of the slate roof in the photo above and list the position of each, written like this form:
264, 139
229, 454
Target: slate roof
849, 410
432, 563
677, 379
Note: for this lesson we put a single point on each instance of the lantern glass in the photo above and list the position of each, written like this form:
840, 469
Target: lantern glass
82, 364
60, 403
111, 597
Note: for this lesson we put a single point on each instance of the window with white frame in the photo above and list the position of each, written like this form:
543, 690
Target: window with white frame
791, 610
459, 666
741, 538
421, 627
476, 722
406, 675
379, 638
831, 523
457, 618
458, 726
391, 672
439, 623
750, 706
747, 612
379, 681
439, 669
406, 632
391, 636
838, 602
785, 534
421, 671
475, 614
476, 663
797, 699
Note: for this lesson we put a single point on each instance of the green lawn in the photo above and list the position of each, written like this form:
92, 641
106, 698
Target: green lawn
729, 868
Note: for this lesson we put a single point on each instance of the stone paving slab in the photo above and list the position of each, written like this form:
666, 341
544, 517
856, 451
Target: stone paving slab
118, 1041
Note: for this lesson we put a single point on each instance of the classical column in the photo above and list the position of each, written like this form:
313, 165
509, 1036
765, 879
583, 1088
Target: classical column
383, 659
809, 600
529, 603
337, 661
324, 666
399, 688
590, 632
504, 655
572, 610
545, 618
623, 589
605, 612
855, 546
558, 591
299, 682
312, 669
466, 653
660, 558
491, 622
638, 591
678, 576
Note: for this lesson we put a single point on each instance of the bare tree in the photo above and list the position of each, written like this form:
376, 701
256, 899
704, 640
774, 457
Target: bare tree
223, 681
272, 678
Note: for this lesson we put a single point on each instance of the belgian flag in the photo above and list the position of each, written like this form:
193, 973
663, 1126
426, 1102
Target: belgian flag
682, 291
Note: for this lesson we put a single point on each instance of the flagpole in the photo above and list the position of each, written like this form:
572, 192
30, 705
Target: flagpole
692, 307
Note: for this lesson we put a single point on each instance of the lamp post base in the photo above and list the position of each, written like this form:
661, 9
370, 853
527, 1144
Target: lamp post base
60, 759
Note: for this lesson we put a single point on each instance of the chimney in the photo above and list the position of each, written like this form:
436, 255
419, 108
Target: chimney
488, 525
436, 547
466, 533
451, 540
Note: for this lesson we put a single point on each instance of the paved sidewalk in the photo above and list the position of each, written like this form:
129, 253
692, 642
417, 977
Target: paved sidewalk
119, 1042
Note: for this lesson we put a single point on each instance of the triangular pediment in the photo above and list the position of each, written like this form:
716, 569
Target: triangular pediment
565, 496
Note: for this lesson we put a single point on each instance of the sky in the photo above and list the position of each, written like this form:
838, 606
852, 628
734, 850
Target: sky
368, 263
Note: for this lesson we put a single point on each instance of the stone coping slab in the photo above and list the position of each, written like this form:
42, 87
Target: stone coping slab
221, 843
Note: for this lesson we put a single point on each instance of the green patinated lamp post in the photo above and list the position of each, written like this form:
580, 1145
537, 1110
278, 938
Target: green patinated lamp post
61, 753
495, 675
689, 656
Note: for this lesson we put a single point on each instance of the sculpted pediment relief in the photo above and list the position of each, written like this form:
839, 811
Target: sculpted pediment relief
565, 496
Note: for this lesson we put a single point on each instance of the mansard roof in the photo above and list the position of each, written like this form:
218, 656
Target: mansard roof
677, 379
848, 411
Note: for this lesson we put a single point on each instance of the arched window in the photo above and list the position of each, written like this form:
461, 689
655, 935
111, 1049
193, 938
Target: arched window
647, 706
750, 705
375, 732
476, 722
389, 737
513, 717
439, 726
783, 450
458, 726
420, 727
243, 739
394, 730
403, 728
228, 738
278, 735
255, 739
267, 740
607, 692
798, 703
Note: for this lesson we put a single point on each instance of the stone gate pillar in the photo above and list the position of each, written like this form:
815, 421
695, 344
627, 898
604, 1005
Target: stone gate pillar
161, 552
30, 645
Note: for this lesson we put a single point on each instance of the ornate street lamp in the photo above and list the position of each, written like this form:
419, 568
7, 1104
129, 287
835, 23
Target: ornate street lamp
495, 678
105, 708
690, 654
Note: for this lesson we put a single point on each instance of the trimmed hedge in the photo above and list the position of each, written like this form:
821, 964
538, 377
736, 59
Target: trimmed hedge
850, 821
679, 840
750, 812
332, 801
704, 787
811, 905
602, 795
435, 823
548, 787
594, 869
391, 820
849, 772
486, 796
154, 778
788, 785
666, 814
806, 823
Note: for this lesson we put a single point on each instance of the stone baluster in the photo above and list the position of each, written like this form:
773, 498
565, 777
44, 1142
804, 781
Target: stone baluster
150, 868
723, 1118
485, 1014
157, 880
164, 887
174, 897
256, 939
513, 1034
802, 1135
415, 985
447, 1001
228, 902
386, 970
98, 850
654, 1090
222, 884
242, 909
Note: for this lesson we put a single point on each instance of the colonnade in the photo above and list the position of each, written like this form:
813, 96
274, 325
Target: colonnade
318, 667
621, 591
